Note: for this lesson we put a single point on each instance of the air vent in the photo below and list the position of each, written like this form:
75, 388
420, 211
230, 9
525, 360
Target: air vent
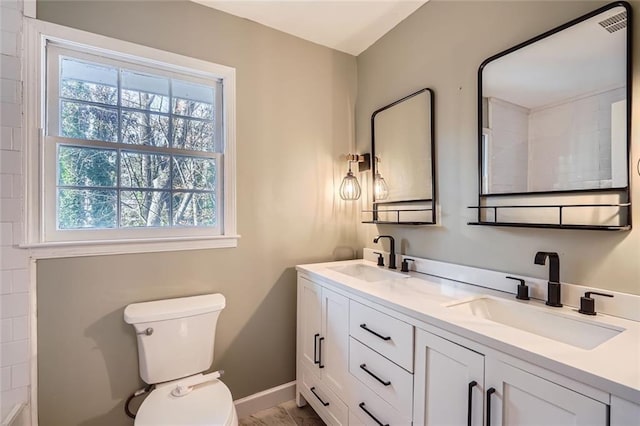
615, 23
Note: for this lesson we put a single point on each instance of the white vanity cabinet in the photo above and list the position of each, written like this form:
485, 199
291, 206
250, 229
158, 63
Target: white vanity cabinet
323, 350
363, 361
381, 367
455, 385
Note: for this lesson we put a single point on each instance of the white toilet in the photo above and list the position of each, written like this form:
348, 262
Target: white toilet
175, 345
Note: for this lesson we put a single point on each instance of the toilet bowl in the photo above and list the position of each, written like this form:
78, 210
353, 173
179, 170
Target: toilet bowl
175, 345
208, 404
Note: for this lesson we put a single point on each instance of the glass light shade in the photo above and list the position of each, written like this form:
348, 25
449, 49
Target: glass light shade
380, 188
350, 188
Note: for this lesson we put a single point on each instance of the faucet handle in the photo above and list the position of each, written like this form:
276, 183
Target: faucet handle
380, 258
405, 264
588, 305
523, 289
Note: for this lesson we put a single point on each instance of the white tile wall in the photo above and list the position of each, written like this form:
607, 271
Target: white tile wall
14, 277
580, 155
508, 147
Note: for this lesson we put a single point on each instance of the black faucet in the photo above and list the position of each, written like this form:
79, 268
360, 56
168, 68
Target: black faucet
392, 250
553, 285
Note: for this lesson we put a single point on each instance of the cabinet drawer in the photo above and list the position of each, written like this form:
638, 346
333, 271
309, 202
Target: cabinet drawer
383, 333
367, 408
328, 406
386, 379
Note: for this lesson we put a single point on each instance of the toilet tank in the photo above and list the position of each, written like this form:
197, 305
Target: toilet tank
175, 336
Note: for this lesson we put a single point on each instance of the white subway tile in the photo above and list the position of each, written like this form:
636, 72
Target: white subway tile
20, 328
19, 281
17, 190
20, 375
14, 305
6, 234
12, 397
11, 162
6, 282
11, 114
17, 138
6, 330
13, 258
6, 186
11, 20
17, 232
9, 90
10, 209
10, 67
6, 138
14, 352
5, 378
9, 43
11, 4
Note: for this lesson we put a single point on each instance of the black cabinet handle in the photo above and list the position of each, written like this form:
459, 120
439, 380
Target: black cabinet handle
469, 401
320, 364
361, 405
384, 382
313, 391
315, 348
364, 327
490, 392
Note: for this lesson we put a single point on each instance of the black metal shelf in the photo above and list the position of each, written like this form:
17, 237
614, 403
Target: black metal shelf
553, 226
559, 224
376, 212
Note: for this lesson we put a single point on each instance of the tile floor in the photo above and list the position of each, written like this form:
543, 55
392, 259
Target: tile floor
285, 414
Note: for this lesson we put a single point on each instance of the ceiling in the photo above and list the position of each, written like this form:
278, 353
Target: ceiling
350, 26
584, 58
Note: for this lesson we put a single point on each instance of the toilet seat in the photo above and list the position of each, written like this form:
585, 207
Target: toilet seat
209, 404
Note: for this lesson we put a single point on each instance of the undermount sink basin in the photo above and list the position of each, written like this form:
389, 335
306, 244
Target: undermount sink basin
366, 272
572, 331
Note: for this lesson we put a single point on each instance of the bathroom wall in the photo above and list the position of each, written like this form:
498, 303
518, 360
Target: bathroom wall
441, 46
14, 273
295, 112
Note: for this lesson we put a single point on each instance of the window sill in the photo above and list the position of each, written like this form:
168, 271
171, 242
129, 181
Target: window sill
151, 245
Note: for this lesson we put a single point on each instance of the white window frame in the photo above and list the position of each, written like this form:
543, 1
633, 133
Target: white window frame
38, 234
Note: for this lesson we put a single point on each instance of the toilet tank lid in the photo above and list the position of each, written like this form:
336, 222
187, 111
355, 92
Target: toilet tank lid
160, 310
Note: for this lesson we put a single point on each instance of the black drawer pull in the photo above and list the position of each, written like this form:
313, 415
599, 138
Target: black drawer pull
320, 364
364, 326
469, 401
313, 391
384, 382
315, 348
361, 405
490, 392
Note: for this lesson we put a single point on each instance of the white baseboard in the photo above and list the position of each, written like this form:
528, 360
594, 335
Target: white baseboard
266, 399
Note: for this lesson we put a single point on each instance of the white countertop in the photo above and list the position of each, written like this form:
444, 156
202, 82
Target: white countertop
613, 366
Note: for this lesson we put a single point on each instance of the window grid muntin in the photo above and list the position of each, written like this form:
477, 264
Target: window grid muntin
120, 146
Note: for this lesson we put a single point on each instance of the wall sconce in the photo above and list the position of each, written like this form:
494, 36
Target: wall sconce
380, 188
350, 187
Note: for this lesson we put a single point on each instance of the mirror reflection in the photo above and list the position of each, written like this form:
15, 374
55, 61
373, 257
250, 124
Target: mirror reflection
402, 147
555, 112
403, 163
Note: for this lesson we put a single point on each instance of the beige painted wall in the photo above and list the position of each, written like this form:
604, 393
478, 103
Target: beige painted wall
441, 46
295, 109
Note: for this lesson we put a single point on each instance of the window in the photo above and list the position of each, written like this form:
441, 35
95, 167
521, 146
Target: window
132, 148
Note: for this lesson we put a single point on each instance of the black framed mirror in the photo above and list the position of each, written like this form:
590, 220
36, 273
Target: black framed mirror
554, 118
403, 161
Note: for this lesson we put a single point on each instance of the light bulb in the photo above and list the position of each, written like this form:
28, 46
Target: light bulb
380, 188
350, 188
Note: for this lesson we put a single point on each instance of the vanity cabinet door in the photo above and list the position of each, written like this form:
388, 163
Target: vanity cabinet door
309, 324
334, 347
448, 383
516, 397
